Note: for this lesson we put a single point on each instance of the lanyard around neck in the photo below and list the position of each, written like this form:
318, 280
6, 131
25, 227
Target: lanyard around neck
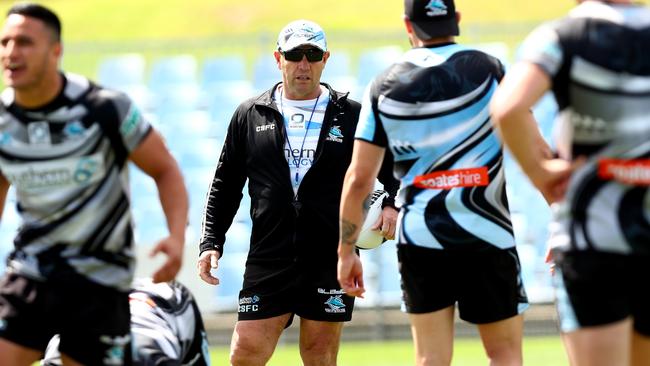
297, 160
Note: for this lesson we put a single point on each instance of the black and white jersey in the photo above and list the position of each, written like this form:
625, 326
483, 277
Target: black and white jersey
431, 109
598, 58
166, 327
67, 163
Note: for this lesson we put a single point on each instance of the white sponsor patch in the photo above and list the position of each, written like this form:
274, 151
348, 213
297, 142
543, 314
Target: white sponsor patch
63, 173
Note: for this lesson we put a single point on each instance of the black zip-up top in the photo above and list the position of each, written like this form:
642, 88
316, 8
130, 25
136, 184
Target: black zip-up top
287, 228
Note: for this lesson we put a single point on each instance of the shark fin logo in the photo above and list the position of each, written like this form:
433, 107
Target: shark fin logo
335, 134
436, 8
335, 304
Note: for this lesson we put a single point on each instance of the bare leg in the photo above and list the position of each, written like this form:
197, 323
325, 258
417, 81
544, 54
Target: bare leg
502, 341
433, 337
13, 354
319, 342
67, 361
600, 346
640, 349
253, 341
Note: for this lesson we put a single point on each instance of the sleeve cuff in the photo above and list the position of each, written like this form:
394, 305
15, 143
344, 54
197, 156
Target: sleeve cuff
389, 201
211, 246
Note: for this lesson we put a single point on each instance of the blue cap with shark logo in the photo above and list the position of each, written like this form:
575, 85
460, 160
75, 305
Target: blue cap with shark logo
432, 18
299, 33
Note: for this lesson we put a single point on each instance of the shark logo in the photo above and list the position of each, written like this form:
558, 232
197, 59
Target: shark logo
335, 134
436, 8
335, 304
115, 353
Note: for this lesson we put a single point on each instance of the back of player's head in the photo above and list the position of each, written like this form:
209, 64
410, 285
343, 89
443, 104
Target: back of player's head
432, 18
36, 11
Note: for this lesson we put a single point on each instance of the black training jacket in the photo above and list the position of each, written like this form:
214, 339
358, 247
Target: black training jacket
286, 228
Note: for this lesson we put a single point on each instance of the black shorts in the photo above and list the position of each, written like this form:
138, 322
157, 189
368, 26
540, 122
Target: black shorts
312, 293
93, 320
596, 288
486, 285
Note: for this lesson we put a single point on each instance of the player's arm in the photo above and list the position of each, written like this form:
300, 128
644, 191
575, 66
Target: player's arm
4, 188
154, 159
520, 89
359, 181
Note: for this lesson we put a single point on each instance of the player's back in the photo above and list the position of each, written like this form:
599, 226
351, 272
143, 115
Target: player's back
434, 108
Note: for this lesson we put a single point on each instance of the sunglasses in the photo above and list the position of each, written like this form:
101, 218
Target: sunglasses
295, 55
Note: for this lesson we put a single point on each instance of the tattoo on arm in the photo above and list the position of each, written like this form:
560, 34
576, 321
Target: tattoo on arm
365, 206
348, 231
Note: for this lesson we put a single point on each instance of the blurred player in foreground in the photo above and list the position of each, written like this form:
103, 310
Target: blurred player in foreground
65, 144
596, 62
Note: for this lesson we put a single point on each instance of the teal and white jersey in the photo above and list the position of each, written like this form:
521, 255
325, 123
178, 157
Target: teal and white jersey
597, 59
431, 109
303, 120
67, 163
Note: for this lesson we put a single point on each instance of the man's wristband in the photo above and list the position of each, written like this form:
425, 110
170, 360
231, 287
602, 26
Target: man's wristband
389, 201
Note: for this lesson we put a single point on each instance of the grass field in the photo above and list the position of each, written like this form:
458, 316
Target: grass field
538, 351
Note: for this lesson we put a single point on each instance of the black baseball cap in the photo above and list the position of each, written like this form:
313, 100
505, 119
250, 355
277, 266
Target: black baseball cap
432, 18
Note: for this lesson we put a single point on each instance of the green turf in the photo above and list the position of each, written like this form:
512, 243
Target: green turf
538, 351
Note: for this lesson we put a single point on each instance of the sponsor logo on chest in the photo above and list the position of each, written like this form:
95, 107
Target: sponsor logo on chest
335, 134
62, 173
267, 127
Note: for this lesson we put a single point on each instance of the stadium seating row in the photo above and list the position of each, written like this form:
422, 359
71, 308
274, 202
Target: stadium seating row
191, 105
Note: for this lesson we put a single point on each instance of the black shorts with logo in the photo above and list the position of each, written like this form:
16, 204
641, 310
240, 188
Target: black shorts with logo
310, 292
93, 320
596, 288
486, 285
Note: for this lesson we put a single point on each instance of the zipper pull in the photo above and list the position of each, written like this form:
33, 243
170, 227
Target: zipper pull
296, 205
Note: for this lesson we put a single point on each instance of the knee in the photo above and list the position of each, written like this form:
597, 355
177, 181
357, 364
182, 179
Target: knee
433, 359
507, 354
244, 353
319, 353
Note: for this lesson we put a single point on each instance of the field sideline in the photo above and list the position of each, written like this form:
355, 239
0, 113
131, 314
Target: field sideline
538, 351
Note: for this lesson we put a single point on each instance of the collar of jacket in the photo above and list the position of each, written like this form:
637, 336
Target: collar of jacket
266, 99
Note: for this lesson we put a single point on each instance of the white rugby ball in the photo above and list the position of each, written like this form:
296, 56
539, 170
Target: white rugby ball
369, 239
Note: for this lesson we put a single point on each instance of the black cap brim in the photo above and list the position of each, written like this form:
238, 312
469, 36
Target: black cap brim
439, 28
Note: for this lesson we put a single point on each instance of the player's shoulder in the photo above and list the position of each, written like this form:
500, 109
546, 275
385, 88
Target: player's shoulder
100, 96
101, 101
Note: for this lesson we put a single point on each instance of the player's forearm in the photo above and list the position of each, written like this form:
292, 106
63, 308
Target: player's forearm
4, 188
174, 201
522, 137
353, 211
